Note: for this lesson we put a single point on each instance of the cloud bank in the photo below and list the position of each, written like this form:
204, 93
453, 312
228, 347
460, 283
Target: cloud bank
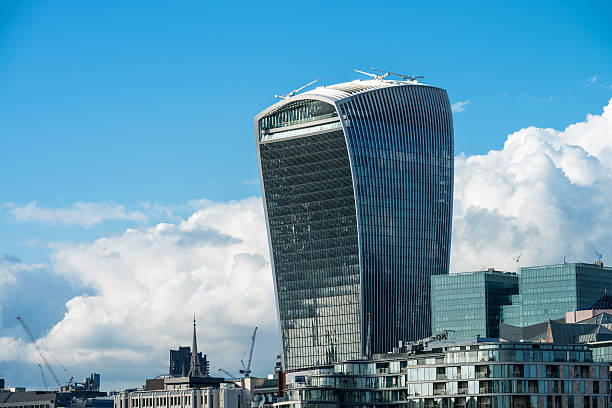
148, 282
546, 193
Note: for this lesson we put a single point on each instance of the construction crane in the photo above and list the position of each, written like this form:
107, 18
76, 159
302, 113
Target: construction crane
42, 356
232, 376
518, 258
247, 368
42, 373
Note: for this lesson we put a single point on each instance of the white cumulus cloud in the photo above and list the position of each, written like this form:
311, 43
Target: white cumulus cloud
148, 283
459, 106
546, 193
81, 214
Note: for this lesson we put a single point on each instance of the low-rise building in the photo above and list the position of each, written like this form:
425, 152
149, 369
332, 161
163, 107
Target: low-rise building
73, 395
265, 394
195, 390
226, 395
483, 373
50, 399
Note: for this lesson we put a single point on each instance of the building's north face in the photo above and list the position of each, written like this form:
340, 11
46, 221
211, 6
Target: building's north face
357, 182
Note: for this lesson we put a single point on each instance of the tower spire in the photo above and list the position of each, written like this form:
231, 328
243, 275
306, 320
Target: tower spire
195, 369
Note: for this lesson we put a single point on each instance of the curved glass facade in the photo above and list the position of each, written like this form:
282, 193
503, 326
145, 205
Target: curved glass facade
358, 200
313, 232
400, 141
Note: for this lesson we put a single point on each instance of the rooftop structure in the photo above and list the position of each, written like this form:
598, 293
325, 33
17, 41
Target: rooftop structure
603, 303
598, 308
357, 182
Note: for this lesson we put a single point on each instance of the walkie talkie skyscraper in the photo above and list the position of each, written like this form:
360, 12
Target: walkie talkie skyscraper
357, 183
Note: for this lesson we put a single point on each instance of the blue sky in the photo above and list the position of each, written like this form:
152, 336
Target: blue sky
137, 109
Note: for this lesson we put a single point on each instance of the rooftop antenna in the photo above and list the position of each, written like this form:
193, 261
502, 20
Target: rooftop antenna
404, 77
292, 93
374, 76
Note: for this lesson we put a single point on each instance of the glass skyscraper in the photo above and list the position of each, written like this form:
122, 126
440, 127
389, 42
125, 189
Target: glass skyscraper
357, 183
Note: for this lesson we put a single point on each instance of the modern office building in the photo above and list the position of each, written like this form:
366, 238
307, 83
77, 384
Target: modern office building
357, 181
548, 292
475, 303
469, 304
459, 374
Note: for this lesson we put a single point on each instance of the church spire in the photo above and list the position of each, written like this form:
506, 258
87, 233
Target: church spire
195, 369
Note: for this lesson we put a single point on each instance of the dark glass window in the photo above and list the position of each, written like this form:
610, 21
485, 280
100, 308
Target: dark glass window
313, 228
298, 112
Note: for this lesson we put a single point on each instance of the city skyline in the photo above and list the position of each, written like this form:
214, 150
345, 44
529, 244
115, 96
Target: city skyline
130, 184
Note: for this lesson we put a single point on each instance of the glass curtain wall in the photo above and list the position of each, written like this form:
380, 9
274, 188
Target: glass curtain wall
400, 140
313, 228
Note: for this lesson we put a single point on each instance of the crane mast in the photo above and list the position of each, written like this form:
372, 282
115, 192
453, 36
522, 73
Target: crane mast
42, 356
232, 376
247, 369
42, 373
